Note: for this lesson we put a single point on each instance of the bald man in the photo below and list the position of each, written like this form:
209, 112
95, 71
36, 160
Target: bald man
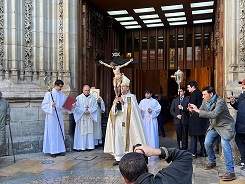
85, 115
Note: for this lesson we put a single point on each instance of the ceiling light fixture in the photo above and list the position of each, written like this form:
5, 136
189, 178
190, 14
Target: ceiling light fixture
132, 27
202, 21
196, 12
119, 12
129, 23
177, 23
124, 18
202, 4
143, 10
149, 16
176, 14
172, 7
155, 25
176, 19
152, 21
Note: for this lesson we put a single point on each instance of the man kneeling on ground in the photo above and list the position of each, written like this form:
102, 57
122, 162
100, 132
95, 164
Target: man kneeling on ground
134, 169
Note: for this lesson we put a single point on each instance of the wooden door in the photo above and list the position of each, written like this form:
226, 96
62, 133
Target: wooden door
202, 76
150, 80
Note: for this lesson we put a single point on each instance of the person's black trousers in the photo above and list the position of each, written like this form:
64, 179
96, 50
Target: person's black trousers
193, 146
240, 142
184, 135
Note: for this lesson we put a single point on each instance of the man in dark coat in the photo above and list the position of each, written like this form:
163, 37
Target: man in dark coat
179, 110
134, 169
240, 123
197, 126
160, 118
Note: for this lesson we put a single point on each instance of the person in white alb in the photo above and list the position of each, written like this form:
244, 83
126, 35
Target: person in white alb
53, 141
85, 115
150, 109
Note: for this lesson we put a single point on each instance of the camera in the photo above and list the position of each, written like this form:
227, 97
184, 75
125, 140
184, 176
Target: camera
143, 153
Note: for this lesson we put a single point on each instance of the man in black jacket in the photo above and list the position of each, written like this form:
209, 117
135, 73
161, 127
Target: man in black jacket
179, 110
134, 168
239, 105
197, 125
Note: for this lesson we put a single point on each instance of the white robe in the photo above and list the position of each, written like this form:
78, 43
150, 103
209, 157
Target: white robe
84, 136
97, 124
150, 120
118, 140
53, 142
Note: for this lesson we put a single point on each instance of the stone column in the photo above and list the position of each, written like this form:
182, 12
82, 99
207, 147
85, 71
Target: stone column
234, 53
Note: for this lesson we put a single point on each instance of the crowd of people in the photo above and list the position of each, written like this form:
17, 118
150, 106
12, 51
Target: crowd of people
134, 128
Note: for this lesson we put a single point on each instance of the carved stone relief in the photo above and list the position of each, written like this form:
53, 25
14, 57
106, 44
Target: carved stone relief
1, 34
240, 67
28, 33
61, 35
242, 31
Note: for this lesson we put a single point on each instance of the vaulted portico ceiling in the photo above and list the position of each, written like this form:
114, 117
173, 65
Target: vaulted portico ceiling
140, 14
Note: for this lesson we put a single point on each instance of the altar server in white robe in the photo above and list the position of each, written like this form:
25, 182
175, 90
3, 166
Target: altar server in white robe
53, 142
125, 125
97, 124
85, 115
150, 109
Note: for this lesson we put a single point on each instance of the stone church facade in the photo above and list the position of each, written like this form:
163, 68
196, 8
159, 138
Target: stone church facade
39, 38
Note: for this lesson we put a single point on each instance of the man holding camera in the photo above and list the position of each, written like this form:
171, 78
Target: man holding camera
221, 125
134, 169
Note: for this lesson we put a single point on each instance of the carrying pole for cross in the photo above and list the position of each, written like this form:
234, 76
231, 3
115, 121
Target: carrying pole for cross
11, 138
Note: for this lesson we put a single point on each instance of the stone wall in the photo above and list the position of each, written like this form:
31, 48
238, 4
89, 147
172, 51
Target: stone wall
234, 55
38, 38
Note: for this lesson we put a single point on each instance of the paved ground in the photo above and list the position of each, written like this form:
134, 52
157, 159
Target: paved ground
93, 167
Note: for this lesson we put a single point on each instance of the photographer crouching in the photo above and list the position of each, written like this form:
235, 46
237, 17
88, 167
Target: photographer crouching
133, 166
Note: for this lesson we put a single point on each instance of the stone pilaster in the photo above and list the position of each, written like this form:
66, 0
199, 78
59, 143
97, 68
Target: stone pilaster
234, 53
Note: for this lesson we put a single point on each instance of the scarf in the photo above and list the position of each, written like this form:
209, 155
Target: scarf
210, 102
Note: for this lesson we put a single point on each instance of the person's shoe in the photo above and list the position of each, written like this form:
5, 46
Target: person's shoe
194, 156
209, 166
62, 154
243, 168
228, 176
240, 164
116, 163
53, 155
202, 155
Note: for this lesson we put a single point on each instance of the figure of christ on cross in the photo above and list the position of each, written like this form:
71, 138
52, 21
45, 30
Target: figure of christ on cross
117, 79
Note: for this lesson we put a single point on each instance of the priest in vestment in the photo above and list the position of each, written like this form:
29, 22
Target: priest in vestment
150, 109
124, 127
53, 142
85, 115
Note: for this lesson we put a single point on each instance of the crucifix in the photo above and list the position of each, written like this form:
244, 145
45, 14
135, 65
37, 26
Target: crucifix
117, 79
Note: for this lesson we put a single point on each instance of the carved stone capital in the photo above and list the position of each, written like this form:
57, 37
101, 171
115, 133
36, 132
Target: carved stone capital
237, 68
